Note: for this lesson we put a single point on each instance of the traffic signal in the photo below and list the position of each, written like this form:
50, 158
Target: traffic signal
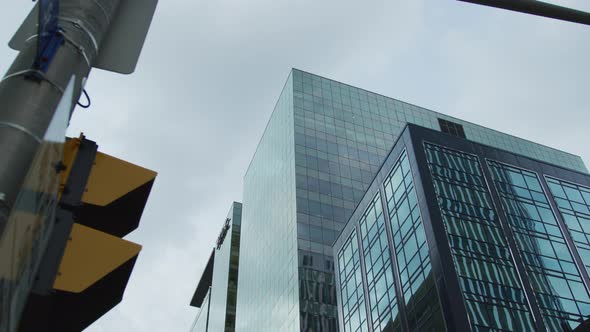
87, 264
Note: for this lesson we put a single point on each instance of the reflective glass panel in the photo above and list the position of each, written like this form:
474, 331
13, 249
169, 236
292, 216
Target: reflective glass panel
491, 287
381, 286
412, 256
556, 281
351, 286
573, 202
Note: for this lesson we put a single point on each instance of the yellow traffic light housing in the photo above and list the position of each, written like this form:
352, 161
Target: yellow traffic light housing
82, 264
87, 264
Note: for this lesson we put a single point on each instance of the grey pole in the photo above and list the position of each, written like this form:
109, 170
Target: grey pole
538, 8
27, 106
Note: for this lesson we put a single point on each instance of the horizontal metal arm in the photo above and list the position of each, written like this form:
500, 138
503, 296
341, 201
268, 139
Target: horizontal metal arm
538, 8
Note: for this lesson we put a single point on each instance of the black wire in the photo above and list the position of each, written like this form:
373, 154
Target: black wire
87, 98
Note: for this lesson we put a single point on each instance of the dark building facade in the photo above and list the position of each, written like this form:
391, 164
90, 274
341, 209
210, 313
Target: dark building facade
460, 236
216, 292
319, 153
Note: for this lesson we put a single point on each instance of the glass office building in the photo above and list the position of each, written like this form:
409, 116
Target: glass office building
462, 236
323, 145
216, 292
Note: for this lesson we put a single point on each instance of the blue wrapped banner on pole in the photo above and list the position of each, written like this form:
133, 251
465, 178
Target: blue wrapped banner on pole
49, 37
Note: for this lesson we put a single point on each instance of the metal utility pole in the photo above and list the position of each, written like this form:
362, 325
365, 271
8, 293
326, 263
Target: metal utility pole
29, 96
538, 8
59, 42
106, 34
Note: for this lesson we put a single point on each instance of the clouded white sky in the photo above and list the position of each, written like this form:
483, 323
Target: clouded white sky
210, 74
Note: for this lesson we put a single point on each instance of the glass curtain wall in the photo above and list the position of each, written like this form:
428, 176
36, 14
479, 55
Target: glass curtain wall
573, 202
412, 254
558, 287
268, 296
420, 298
487, 275
381, 285
351, 287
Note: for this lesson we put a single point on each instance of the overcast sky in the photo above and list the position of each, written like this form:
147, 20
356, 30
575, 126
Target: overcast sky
211, 72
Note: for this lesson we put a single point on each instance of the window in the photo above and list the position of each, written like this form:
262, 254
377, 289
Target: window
558, 285
451, 128
491, 288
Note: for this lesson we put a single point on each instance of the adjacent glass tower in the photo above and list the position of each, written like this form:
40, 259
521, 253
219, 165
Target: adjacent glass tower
216, 292
469, 237
323, 145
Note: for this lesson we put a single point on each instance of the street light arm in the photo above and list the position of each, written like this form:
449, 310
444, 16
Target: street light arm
538, 8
